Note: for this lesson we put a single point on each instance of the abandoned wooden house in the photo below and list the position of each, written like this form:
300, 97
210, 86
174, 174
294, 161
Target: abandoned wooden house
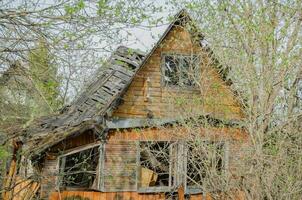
129, 134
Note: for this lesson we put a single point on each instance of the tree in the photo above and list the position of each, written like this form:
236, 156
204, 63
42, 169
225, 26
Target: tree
260, 41
76, 32
73, 35
44, 76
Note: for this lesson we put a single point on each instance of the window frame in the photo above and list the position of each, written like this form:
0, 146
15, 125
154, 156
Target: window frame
154, 189
177, 168
59, 177
225, 165
163, 68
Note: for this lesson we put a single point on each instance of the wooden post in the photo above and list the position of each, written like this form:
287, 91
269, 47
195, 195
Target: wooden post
181, 193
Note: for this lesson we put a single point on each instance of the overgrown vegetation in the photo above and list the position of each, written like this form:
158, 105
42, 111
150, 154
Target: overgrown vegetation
259, 41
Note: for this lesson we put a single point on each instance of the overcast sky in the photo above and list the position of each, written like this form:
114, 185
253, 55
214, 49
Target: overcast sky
144, 38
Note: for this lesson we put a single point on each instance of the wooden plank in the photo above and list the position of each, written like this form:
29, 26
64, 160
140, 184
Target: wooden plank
196, 197
88, 195
109, 196
106, 195
54, 196
65, 194
120, 166
104, 94
96, 195
141, 84
99, 99
181, 193
129, 61
9, 179
80, 148
122, 69
122, 76
110, 91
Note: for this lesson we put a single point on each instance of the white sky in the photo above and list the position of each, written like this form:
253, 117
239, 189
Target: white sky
145, 38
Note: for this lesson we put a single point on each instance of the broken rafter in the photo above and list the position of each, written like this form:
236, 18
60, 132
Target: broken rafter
88, 110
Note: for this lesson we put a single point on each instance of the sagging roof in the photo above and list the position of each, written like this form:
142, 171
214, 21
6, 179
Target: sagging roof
88, 110
102, 96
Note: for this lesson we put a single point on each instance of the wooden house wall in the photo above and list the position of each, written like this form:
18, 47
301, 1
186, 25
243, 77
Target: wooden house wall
48, 176
73, 141
50, 166
212, 97
120, 166
120, 159
126, 196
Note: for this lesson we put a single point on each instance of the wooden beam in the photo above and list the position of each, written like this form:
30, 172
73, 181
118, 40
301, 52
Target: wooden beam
181, 193
80, 148
136, 122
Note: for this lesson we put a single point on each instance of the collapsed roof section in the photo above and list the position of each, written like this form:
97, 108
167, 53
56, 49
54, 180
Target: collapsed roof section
87, 111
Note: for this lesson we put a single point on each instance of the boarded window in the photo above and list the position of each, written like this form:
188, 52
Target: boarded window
79, 169
119, 173
181, 70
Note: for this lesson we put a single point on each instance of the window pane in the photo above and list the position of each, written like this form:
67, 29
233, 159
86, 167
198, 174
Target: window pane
171, 70
154, 164
204, 161
181, 70
189, 71
80, 168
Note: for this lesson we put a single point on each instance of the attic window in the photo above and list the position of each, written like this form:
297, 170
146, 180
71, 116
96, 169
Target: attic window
181, 70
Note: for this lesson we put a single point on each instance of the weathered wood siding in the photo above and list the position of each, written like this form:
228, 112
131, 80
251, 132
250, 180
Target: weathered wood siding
212, 97
24, 189
74, 141
120, 166
120, 157
67, 195
48, 179
177, 133
105, 196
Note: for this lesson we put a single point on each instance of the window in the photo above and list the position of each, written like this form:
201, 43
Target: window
181, 70
155, 166
144, 166
204, 161
79, 169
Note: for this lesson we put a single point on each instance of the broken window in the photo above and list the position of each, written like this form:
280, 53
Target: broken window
181, 70
155, 166
79, 169
204, 161
149, 166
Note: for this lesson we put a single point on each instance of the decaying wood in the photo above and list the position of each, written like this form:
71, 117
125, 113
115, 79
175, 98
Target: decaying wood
87, 111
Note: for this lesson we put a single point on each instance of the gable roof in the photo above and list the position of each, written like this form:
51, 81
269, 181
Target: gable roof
181, 18
100, 97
